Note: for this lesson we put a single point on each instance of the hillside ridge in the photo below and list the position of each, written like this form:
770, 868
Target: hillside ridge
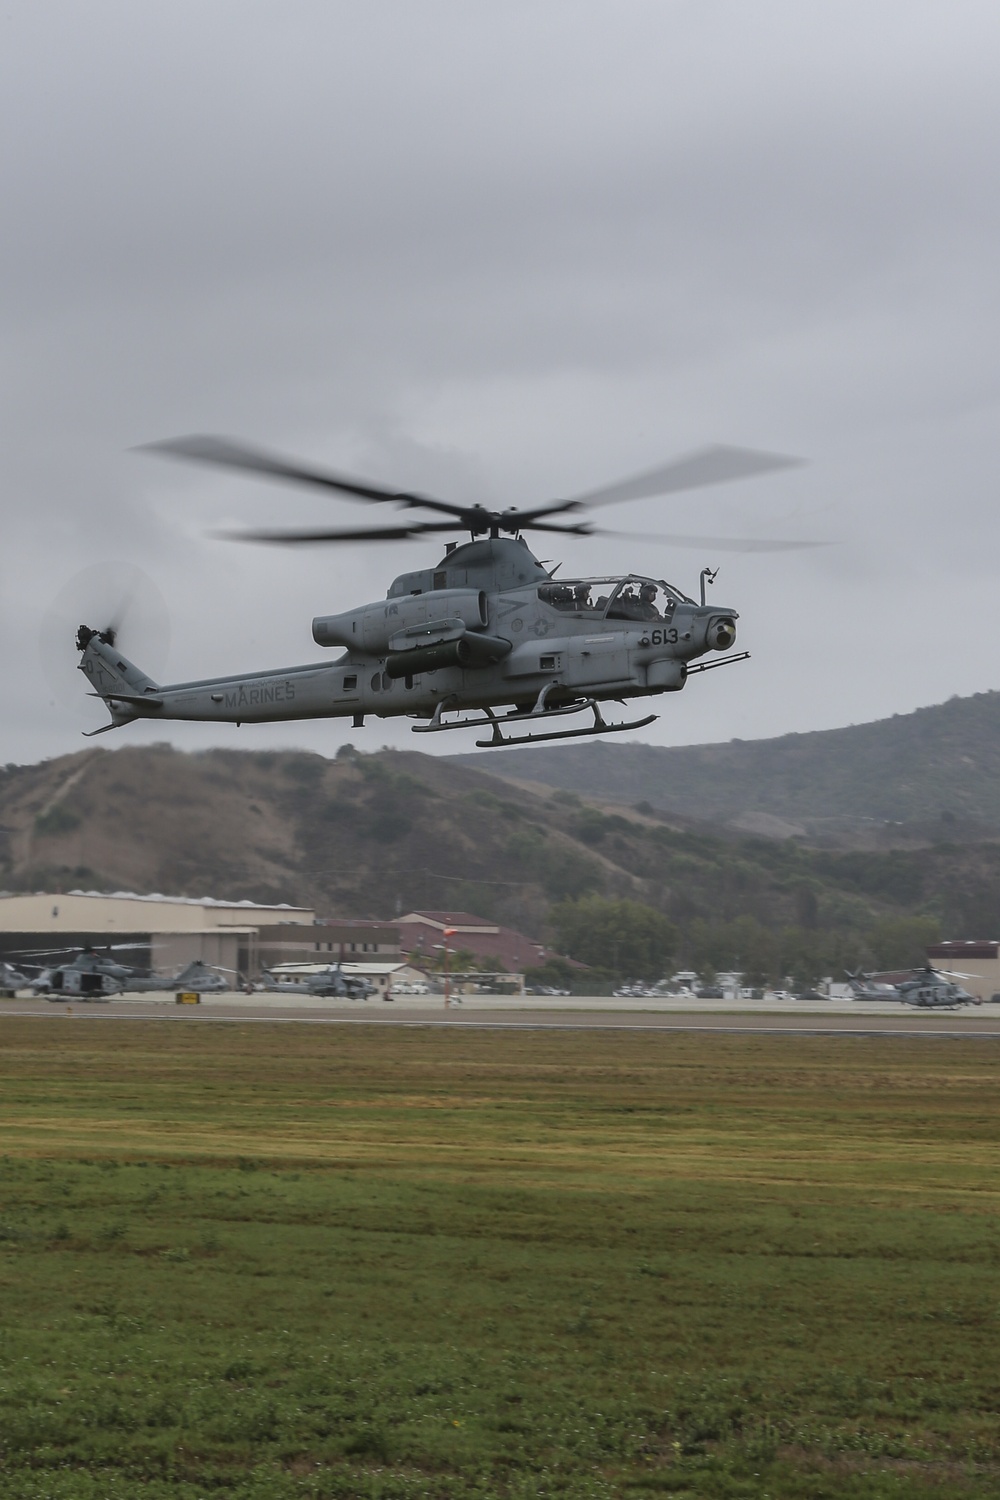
376, 835
937, 762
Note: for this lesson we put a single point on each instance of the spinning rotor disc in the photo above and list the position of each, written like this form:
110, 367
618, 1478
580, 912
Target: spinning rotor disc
709, 466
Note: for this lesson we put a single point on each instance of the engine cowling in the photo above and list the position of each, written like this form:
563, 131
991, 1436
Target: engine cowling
372, 628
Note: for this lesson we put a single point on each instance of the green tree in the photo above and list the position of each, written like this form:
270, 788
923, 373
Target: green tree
744, 944
804, 956
901, 942
554, 971
460, 960
619, 937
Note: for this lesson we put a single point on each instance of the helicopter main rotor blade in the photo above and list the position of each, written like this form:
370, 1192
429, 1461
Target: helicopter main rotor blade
708, 466
580, 528
513, 519
75, 948
341, 534
713, 543
714, 465
226, 454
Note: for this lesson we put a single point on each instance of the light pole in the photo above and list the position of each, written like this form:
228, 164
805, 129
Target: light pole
448, 932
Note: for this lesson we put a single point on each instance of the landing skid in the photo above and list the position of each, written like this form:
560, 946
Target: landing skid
533, 716
598, 727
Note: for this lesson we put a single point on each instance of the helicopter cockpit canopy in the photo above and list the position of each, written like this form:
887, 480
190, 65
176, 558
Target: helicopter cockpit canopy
631, 598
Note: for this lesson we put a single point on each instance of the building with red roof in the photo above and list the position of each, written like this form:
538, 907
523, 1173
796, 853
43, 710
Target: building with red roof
422, 932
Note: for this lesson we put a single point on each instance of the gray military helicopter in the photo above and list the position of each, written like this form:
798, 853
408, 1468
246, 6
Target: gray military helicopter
330, 982
927, 988
94, 975
195, 977
88, 976
488, 628
934, 989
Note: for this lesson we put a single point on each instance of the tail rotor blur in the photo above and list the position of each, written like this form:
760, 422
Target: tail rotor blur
117, 600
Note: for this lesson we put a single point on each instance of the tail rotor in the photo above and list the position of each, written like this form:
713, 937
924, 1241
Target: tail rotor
119, 604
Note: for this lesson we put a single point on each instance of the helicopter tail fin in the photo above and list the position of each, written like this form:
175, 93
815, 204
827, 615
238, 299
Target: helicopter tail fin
127, 691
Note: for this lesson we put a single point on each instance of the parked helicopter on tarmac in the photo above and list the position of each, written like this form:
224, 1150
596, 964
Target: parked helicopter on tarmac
94, 975
197, 977
934, 989
487, 629
90, 975
330, 982
927, 988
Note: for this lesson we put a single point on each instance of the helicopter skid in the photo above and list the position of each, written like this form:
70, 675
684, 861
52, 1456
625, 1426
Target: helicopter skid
599, 727
535, 715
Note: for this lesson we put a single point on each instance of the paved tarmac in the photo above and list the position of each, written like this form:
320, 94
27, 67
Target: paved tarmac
548, 1013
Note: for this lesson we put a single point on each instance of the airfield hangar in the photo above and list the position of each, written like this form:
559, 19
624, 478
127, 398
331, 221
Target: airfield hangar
165, 932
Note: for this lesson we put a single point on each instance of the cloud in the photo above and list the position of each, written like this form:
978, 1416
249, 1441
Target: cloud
508, 252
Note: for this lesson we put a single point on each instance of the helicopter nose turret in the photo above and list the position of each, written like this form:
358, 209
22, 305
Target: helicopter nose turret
721, 633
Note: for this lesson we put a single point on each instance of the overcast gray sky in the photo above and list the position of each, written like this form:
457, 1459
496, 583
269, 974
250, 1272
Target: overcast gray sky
506, 252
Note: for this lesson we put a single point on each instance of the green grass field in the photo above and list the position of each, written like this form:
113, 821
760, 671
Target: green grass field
276, 1261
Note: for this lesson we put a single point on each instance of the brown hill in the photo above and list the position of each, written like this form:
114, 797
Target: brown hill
374, 835
365, 835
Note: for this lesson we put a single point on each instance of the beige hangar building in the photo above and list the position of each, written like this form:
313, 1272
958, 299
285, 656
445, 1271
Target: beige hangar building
164, 932
976, 963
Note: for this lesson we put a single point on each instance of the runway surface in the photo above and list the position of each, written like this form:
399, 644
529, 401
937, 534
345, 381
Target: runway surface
479, 1013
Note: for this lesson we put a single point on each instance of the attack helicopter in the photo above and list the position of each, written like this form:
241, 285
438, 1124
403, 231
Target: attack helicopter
489, 637
330, 982
195, 977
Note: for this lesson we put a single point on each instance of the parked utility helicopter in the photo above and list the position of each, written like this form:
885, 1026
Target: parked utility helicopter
488, 628
927, 987
934, 989
89, 976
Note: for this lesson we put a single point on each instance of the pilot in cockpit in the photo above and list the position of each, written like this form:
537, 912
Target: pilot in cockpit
647, 609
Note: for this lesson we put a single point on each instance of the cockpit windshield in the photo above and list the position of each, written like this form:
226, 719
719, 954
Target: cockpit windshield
632, 598
641, 599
